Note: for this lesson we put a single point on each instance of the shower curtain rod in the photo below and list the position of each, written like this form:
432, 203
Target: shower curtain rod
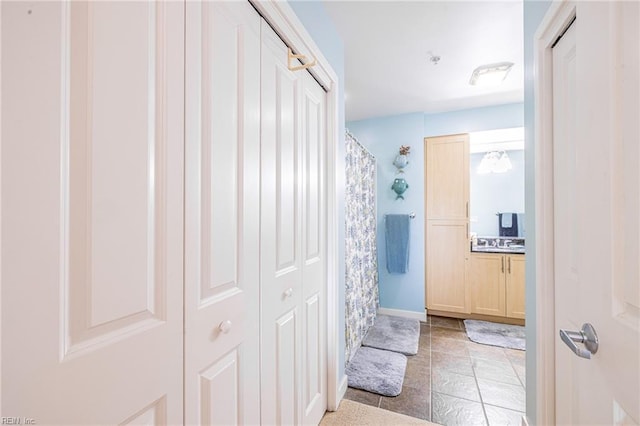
350, 135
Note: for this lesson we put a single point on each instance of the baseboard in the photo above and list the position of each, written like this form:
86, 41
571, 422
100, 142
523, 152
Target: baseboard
420, 316
342, 389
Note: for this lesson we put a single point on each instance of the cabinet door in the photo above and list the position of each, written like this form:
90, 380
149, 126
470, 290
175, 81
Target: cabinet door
447, 177
515, 286
486, 277
446, 252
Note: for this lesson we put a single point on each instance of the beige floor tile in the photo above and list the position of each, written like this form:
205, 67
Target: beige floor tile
502, 394
477, 350
449, 333
452, 346
499, 416
450, 411
454, 384
450, 362
446, 322
499, 371
411, 402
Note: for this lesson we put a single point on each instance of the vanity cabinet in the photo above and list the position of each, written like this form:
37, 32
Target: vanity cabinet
497, 284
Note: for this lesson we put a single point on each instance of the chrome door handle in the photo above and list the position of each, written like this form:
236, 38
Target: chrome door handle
587, 336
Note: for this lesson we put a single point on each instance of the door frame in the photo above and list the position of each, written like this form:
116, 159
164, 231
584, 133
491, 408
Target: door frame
281, 17
557, 19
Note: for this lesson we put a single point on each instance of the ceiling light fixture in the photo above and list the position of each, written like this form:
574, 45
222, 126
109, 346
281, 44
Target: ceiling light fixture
490, 75
495, 162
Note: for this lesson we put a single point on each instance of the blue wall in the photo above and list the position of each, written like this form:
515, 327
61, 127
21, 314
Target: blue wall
314, 17
533, 12
383, 136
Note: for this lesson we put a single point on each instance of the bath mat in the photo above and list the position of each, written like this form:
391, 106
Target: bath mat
395, 334
377, 371
491, 333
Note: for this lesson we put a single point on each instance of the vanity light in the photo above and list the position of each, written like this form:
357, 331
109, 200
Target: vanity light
494, 162
491, 74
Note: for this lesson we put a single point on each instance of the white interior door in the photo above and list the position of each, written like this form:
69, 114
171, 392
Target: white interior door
222, 214
597, 212
293, 265
92, 187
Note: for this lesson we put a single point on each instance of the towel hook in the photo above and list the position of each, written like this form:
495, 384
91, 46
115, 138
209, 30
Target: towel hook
291, 56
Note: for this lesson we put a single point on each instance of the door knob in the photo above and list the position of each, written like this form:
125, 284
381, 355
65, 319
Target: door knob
288, 292
586, 336
225, 326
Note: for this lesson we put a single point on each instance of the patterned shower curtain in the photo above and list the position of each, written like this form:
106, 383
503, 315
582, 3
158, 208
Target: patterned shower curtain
361, 253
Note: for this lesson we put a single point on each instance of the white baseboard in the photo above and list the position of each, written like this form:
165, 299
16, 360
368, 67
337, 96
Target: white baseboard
342, 389
420, 316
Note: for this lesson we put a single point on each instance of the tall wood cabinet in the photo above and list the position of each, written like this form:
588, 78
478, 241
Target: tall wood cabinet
447, 222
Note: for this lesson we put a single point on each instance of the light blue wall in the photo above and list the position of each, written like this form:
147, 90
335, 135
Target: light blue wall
491, 193
533, 12
314, 17
383, 136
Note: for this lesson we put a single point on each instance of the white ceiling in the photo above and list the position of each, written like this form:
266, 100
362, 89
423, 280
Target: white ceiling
387, 64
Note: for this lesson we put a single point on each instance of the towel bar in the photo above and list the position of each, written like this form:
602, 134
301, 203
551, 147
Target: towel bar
412, 215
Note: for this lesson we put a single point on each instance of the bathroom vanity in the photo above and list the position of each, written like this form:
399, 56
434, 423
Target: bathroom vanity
495, 276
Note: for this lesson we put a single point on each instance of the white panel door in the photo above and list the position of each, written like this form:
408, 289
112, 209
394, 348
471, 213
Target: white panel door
92, 148
314, 265
597, 212
293, 260
222, 256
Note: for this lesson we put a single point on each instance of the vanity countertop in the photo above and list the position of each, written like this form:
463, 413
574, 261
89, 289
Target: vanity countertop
512, 245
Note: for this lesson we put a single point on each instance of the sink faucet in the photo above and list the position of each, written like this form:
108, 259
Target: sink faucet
507, 243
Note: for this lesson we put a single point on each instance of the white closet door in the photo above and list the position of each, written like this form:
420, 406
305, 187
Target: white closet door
222, 338
293, 293
92, 189
314, 265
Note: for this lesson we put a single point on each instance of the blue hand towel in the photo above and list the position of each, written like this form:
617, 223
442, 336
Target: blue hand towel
397, 239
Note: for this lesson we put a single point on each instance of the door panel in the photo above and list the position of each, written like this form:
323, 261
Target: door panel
293, 267
222, 223
314, 350
281, 242
596, 109
515, 286
487, 282
92, 194
446, 251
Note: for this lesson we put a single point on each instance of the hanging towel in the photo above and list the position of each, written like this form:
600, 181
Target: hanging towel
506, 221
508, 231
397, 239
521, 225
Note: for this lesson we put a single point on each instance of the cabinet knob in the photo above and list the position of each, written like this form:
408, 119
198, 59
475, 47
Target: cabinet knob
288, 292
225, 326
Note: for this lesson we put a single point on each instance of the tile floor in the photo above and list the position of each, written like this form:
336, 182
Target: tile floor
454, 381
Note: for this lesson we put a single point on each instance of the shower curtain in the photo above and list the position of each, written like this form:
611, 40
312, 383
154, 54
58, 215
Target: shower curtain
361, 270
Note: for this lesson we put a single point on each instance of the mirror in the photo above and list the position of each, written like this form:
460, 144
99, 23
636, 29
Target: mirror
496, 187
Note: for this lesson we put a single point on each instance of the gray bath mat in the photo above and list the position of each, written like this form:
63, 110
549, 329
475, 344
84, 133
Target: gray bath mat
377, 371
395, 334
491, 333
